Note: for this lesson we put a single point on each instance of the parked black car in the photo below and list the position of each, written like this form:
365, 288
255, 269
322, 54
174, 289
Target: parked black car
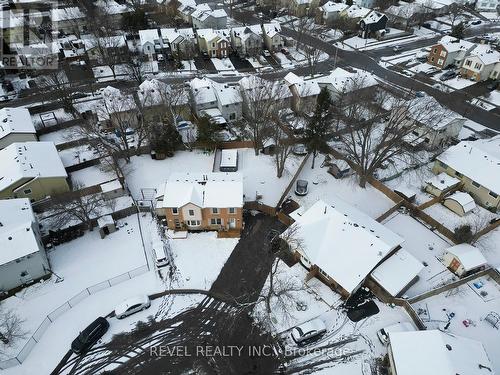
493, 85
90, 335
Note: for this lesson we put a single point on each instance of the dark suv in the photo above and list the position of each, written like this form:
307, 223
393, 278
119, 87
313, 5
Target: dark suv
90, 335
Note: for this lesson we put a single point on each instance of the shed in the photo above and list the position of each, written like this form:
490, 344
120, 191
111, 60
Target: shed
229, 161
437, 185
106, 225
460, 203
405, 193
464, 259
112, 189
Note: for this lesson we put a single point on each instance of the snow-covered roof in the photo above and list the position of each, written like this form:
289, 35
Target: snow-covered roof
105, 220
404, 10
227, 94
29, 160
340, 80
397, 271
452, 44
17, 238
202, 90
116, 41
486, 54
469, 256
64, 14
203, 11
355, 11
304, 87
373, 17
111, 185
112, 7
245, 32
332, 6
148, 36
211, 34
478, 160
344, 242
220, 190
464, 200
115, 101
169, 35
271, 29
443, 181
427, 111
15, 120
228, 158
436, 352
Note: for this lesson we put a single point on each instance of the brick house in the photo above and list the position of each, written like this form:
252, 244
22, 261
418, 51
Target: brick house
199, 201
449, 51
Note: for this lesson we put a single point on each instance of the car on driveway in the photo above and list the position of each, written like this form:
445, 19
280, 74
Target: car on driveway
308, 331
449, 74
493, 85
90, 335
301, 187
476, 22
132, 305
266, 53
299, 149
383, 334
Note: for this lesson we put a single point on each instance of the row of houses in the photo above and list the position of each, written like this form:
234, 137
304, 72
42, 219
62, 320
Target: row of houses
212, 42
475, 61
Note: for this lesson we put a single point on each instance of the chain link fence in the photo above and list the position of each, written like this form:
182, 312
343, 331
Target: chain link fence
69, 304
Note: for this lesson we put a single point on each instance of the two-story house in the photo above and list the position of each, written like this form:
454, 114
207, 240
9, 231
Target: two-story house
247, 40
304, 92
373, 25
22, 259
205, 18
449, 51
477, 165
203, 201
483, 63
214, 43
331, 10
272, 37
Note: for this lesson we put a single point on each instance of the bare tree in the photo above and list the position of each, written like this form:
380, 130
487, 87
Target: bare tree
282, 145
262, 102
57, 82
11, 328
68, 208
186, 50
313, 56
371, 138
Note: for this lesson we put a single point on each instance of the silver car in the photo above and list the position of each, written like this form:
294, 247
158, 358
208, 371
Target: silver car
308, 331
132, 305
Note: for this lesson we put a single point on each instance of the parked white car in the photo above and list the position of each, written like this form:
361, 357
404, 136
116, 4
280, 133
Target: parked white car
159, 254
383, 334
132, 305
308, 331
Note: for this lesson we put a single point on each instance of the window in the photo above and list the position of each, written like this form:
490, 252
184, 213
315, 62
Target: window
213, 45
493, 194
475, 184
435, 50
193, 223
232, 210
232, 116
440, 62
444, 165
191, 212
468, 63
217, 221
443, 53
27, 191
215, 210
458, 174
432, 59
478, 66
175, 211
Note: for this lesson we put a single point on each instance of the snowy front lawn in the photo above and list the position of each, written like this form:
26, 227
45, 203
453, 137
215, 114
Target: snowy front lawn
223, 65
324, 186
199, 259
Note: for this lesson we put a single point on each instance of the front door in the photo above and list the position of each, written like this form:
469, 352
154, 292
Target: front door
232, 223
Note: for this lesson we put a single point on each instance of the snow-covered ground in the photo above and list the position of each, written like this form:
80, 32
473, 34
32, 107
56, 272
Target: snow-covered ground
146, 173
51, 118
82, 263
469, 308
90, 176
61, 136
259, 176
324, 186
427, 247
283, 60
223, 65
77, 155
